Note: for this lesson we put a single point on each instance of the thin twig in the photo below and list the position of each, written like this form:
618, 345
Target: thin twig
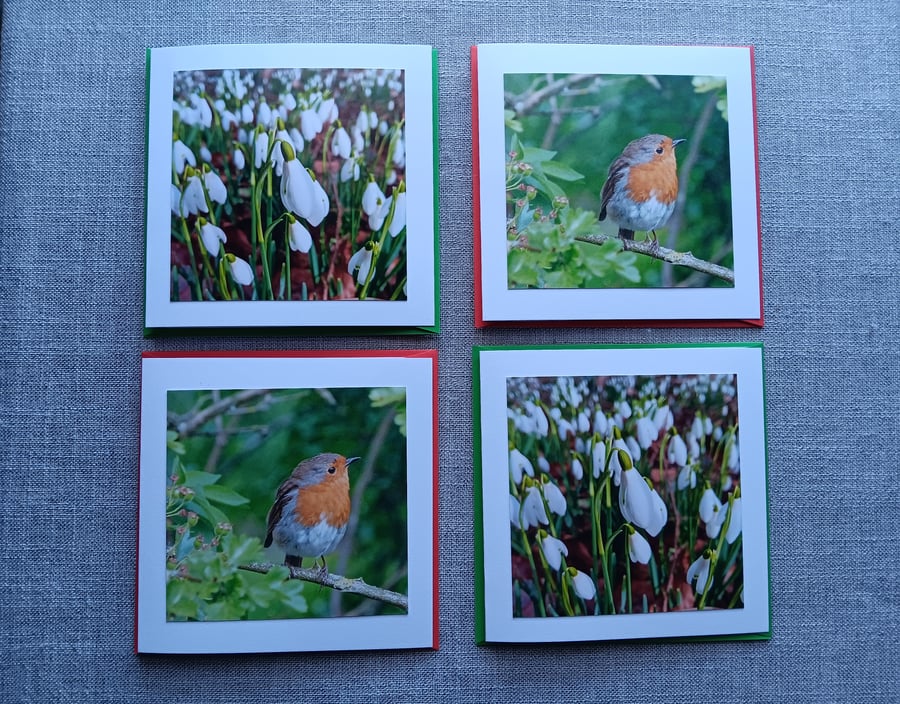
529, 103
188, 426
336, 581
664, 254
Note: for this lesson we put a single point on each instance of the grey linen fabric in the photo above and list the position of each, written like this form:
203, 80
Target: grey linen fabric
71, 308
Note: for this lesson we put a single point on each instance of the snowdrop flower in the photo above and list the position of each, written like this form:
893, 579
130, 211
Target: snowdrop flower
264, 116
633, 448
205, 154
637, 504
734, 524
693, 447
717, 432
382, 128
310, 124
699, 571
624, 409
579, 445
399, 152
214, 186
709, 505
582, 584
697, 427
240, 270
372, 199
362, 121
328, 111
687, 477
211, 235
260, 148
350, 170
663, 419
556, 502
638, 547
296, 139
584, 424
300, 239
238, 158
554, 549
194, 199
598, 457
601, 424
647, 432
514, 511
356, 137
300, 193
181, 155
563, 428
288, 100
577, 469
398, 220
179, 207
519, 463
734, 457
363, 260
391, 178
246, 114
676, 452
533, 511
543, 464
340, 143
536, 413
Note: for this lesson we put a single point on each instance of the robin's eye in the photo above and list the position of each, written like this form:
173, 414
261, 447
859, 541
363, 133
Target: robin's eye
659, 150
331, 469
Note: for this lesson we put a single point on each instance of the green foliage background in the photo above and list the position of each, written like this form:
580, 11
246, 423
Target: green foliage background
222, 478
580, 131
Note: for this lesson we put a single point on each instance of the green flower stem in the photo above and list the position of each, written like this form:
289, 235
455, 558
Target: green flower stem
198, 295
628, 578
715, 556
737, 595
601, 556
567, 583
254, 217
287, 259
223, 280
534, 572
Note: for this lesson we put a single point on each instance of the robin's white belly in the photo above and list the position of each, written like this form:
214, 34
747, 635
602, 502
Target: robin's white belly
306, 541
639, 216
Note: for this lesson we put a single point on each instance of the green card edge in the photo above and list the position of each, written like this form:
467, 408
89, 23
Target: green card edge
477, 497
480, 635
319, 330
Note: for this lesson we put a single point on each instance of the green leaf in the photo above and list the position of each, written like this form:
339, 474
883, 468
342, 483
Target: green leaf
555, 169
536, 156
224, 495
195, 479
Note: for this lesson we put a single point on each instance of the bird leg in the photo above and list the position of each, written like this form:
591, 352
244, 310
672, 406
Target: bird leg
293, 561
654, 241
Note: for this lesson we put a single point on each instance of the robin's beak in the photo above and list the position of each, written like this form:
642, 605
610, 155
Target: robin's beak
676, 142
351, 460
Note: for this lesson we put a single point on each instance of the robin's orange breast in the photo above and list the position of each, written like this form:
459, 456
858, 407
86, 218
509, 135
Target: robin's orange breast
655, 179
327, 501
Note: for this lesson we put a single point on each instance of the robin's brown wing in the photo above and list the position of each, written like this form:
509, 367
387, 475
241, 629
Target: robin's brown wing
282, 498
616, 172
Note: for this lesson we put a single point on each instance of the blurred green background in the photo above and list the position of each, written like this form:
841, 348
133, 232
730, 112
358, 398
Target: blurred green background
588, 120
232, 449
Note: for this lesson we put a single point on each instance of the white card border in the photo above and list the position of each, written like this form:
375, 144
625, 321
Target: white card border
742, 302
414, 630
419, 310
496, 365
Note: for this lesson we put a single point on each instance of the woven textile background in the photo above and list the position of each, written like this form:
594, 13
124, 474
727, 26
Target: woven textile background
71, 286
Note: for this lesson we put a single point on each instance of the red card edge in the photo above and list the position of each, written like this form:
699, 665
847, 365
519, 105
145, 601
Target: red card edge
435, 616
756, 160
265, 354
476, 191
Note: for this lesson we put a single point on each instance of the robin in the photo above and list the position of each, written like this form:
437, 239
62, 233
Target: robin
311, 509
642, 185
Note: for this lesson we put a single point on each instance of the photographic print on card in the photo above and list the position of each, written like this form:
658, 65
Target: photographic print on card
620, 181
279, 180
628, 494
268, 502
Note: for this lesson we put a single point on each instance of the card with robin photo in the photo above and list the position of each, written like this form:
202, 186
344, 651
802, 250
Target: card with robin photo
293, 187
287, 502
615, 185
620, 493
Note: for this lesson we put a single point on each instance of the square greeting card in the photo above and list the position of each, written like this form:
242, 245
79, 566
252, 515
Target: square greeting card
291, 186
287, 502
615, 185
620, 493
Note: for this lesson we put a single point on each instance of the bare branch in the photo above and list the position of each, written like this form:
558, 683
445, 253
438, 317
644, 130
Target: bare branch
336, 581
219, 407
530, 102
664, 254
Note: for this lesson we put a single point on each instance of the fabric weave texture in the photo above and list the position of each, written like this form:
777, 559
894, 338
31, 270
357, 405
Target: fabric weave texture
72, 178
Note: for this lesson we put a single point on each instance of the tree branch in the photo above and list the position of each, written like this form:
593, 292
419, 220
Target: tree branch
524, 105
217, 408
336, 581
664, 254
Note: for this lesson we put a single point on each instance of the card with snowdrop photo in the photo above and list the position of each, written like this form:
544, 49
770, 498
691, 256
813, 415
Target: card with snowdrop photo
291, 186
620, 493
